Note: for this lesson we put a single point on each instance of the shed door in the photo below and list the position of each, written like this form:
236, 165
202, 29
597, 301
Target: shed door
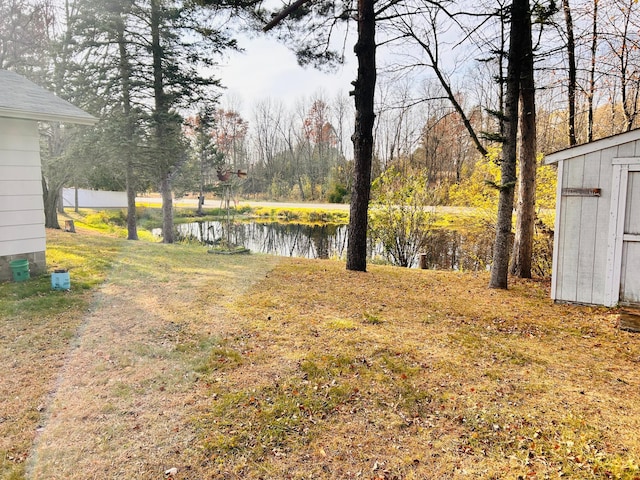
630, 268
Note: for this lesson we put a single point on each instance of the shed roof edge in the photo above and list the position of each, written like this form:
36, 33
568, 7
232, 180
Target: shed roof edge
590, 147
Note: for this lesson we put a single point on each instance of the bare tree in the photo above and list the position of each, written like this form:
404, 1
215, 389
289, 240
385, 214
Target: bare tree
398, 123
624, 47
519, 83
267, 124
230, 131
343, 118
422, 27
571, 60
592, 70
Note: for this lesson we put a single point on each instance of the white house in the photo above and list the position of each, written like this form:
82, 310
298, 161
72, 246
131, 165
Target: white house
596, 255
22, 105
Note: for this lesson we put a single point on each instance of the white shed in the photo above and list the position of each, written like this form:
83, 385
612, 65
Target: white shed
22, 105
596, 254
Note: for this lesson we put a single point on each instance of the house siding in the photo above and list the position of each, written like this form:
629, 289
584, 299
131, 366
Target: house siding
22, 232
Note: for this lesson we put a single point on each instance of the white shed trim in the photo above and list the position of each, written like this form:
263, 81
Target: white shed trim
616, 231
626, 161
556, 247
619, 183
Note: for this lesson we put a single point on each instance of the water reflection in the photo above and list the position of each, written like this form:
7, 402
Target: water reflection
443, 250
283, 239
454, 250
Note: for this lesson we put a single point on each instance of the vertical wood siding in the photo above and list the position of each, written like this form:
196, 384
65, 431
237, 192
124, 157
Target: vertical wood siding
583, 229
591, 261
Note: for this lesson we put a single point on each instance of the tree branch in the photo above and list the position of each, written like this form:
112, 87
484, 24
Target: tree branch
284, 14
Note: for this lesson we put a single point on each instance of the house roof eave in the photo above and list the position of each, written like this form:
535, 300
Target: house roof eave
44, 117
21, 98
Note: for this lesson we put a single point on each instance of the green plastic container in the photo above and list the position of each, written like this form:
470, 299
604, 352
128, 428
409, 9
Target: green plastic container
20, 270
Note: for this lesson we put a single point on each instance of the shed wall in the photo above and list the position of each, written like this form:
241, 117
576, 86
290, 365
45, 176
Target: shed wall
22, 232
583, 225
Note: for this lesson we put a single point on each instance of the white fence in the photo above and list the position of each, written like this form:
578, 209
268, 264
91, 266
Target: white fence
94, 198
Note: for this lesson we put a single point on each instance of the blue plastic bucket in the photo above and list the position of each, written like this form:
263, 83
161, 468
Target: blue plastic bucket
60, 280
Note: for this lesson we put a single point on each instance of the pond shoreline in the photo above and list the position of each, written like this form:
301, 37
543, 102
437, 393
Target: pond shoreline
217, 203
446, 248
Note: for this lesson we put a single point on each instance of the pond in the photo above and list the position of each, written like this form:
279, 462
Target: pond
445, 249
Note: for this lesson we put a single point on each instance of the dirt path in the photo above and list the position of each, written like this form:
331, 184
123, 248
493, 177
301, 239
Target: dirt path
123, 401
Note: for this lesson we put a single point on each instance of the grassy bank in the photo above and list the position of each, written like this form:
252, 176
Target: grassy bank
113, 221
300, 369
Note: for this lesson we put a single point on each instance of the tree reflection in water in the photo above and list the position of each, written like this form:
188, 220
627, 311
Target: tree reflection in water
444, 249
283, 239
454, 250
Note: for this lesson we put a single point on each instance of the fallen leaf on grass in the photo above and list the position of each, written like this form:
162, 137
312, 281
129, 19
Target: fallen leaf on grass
170, 472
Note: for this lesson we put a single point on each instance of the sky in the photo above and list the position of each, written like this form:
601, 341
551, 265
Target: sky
268, 69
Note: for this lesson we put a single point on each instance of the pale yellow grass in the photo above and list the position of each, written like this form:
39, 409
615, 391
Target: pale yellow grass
255, 367
396, 374
121, 405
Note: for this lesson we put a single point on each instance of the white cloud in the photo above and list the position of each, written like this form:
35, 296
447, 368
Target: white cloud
268, 69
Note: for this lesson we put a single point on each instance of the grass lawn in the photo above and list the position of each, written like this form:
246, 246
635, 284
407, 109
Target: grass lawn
287, 368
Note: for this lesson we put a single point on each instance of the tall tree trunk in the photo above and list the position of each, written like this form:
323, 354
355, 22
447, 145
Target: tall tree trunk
500, 264
523, 242
168, 235
629, 98
202, 172
50, 197
300, 186
132, 224
571, 58
52, 185
364, 90
161, 116
592, 70
125, 78
54, 175
60, 207
503, 48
